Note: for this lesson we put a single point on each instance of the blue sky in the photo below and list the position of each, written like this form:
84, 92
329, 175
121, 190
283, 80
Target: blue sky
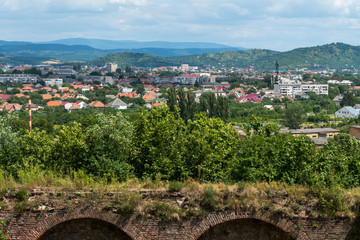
271, 24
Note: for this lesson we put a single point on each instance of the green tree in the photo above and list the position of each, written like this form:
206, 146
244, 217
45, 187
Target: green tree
158, 144
171, 99
348, 99
211, 145
294, 115
109, 141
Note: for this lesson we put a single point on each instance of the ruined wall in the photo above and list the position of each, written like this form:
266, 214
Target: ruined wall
90, 219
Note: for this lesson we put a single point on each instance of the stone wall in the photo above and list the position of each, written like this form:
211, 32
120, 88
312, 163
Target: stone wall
73, 220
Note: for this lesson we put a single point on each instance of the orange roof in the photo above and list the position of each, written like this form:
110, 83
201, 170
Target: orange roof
57, 95
238, 89
77, 86
148, 97
74, 107
46, 96
19, 95
158, 104
65, 89
53, 103
65, 96
129, 95
96, 104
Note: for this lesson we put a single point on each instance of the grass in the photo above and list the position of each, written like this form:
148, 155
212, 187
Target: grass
193, 199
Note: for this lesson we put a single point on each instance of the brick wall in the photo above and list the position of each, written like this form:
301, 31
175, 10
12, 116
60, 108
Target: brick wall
56, 221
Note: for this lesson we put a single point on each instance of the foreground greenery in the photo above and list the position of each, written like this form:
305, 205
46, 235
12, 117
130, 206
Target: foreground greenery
160, 143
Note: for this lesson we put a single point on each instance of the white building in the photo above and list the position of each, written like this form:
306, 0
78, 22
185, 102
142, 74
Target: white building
347, 112
53, 81
294, 87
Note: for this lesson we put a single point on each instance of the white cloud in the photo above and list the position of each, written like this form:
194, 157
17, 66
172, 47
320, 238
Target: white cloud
274, 24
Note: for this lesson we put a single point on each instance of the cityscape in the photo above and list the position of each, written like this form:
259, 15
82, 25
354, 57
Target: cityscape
191, 120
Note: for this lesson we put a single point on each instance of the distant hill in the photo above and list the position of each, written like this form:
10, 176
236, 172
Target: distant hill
87, 53
172, 52
17, 60
2, 42
128, 44
134, 59
335, 55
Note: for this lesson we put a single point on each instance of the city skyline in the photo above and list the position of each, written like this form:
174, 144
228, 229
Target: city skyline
278, 25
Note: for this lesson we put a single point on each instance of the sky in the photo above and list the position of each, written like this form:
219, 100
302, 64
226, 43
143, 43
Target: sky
268, 24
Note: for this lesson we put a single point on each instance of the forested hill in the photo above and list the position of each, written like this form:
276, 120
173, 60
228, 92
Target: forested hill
335, 55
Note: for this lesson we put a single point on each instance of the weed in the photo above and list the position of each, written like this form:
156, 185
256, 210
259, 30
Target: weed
175, 186
127, 202
241, 186
21, 195
208, 201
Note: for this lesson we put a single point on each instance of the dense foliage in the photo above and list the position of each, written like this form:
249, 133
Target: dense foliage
159, 143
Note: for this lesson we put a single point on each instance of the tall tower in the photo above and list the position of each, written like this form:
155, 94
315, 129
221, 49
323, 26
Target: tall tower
277, 72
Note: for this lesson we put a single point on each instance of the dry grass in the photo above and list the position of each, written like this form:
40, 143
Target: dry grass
193, 197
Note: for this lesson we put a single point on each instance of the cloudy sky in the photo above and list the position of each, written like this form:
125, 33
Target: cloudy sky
271, 24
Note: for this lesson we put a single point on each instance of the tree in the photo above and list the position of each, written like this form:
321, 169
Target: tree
223, 108
348, 99
171, 98
306, 77
210, 147
95, 73
294, 115
109, 141
158, 144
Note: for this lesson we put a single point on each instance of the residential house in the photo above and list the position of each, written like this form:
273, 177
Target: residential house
347, 112
86, 88
252, 97
126, 89
117, 104
96, 104
337, 100
5, 96
34, 107
46, 96
81, 104
71, 107
54, 103
10, 107
148, 97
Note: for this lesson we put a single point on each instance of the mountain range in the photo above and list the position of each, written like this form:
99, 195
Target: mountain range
89, 49
148, 54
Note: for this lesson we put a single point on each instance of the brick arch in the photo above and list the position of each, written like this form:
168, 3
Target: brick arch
53, 220
283, 223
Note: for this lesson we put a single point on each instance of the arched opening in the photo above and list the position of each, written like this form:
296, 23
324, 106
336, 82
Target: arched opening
85, 229
245, 229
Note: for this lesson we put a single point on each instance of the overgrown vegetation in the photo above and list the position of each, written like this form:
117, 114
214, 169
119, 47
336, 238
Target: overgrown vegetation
160, 144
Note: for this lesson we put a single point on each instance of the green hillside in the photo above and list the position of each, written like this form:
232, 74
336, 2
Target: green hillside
336, 55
